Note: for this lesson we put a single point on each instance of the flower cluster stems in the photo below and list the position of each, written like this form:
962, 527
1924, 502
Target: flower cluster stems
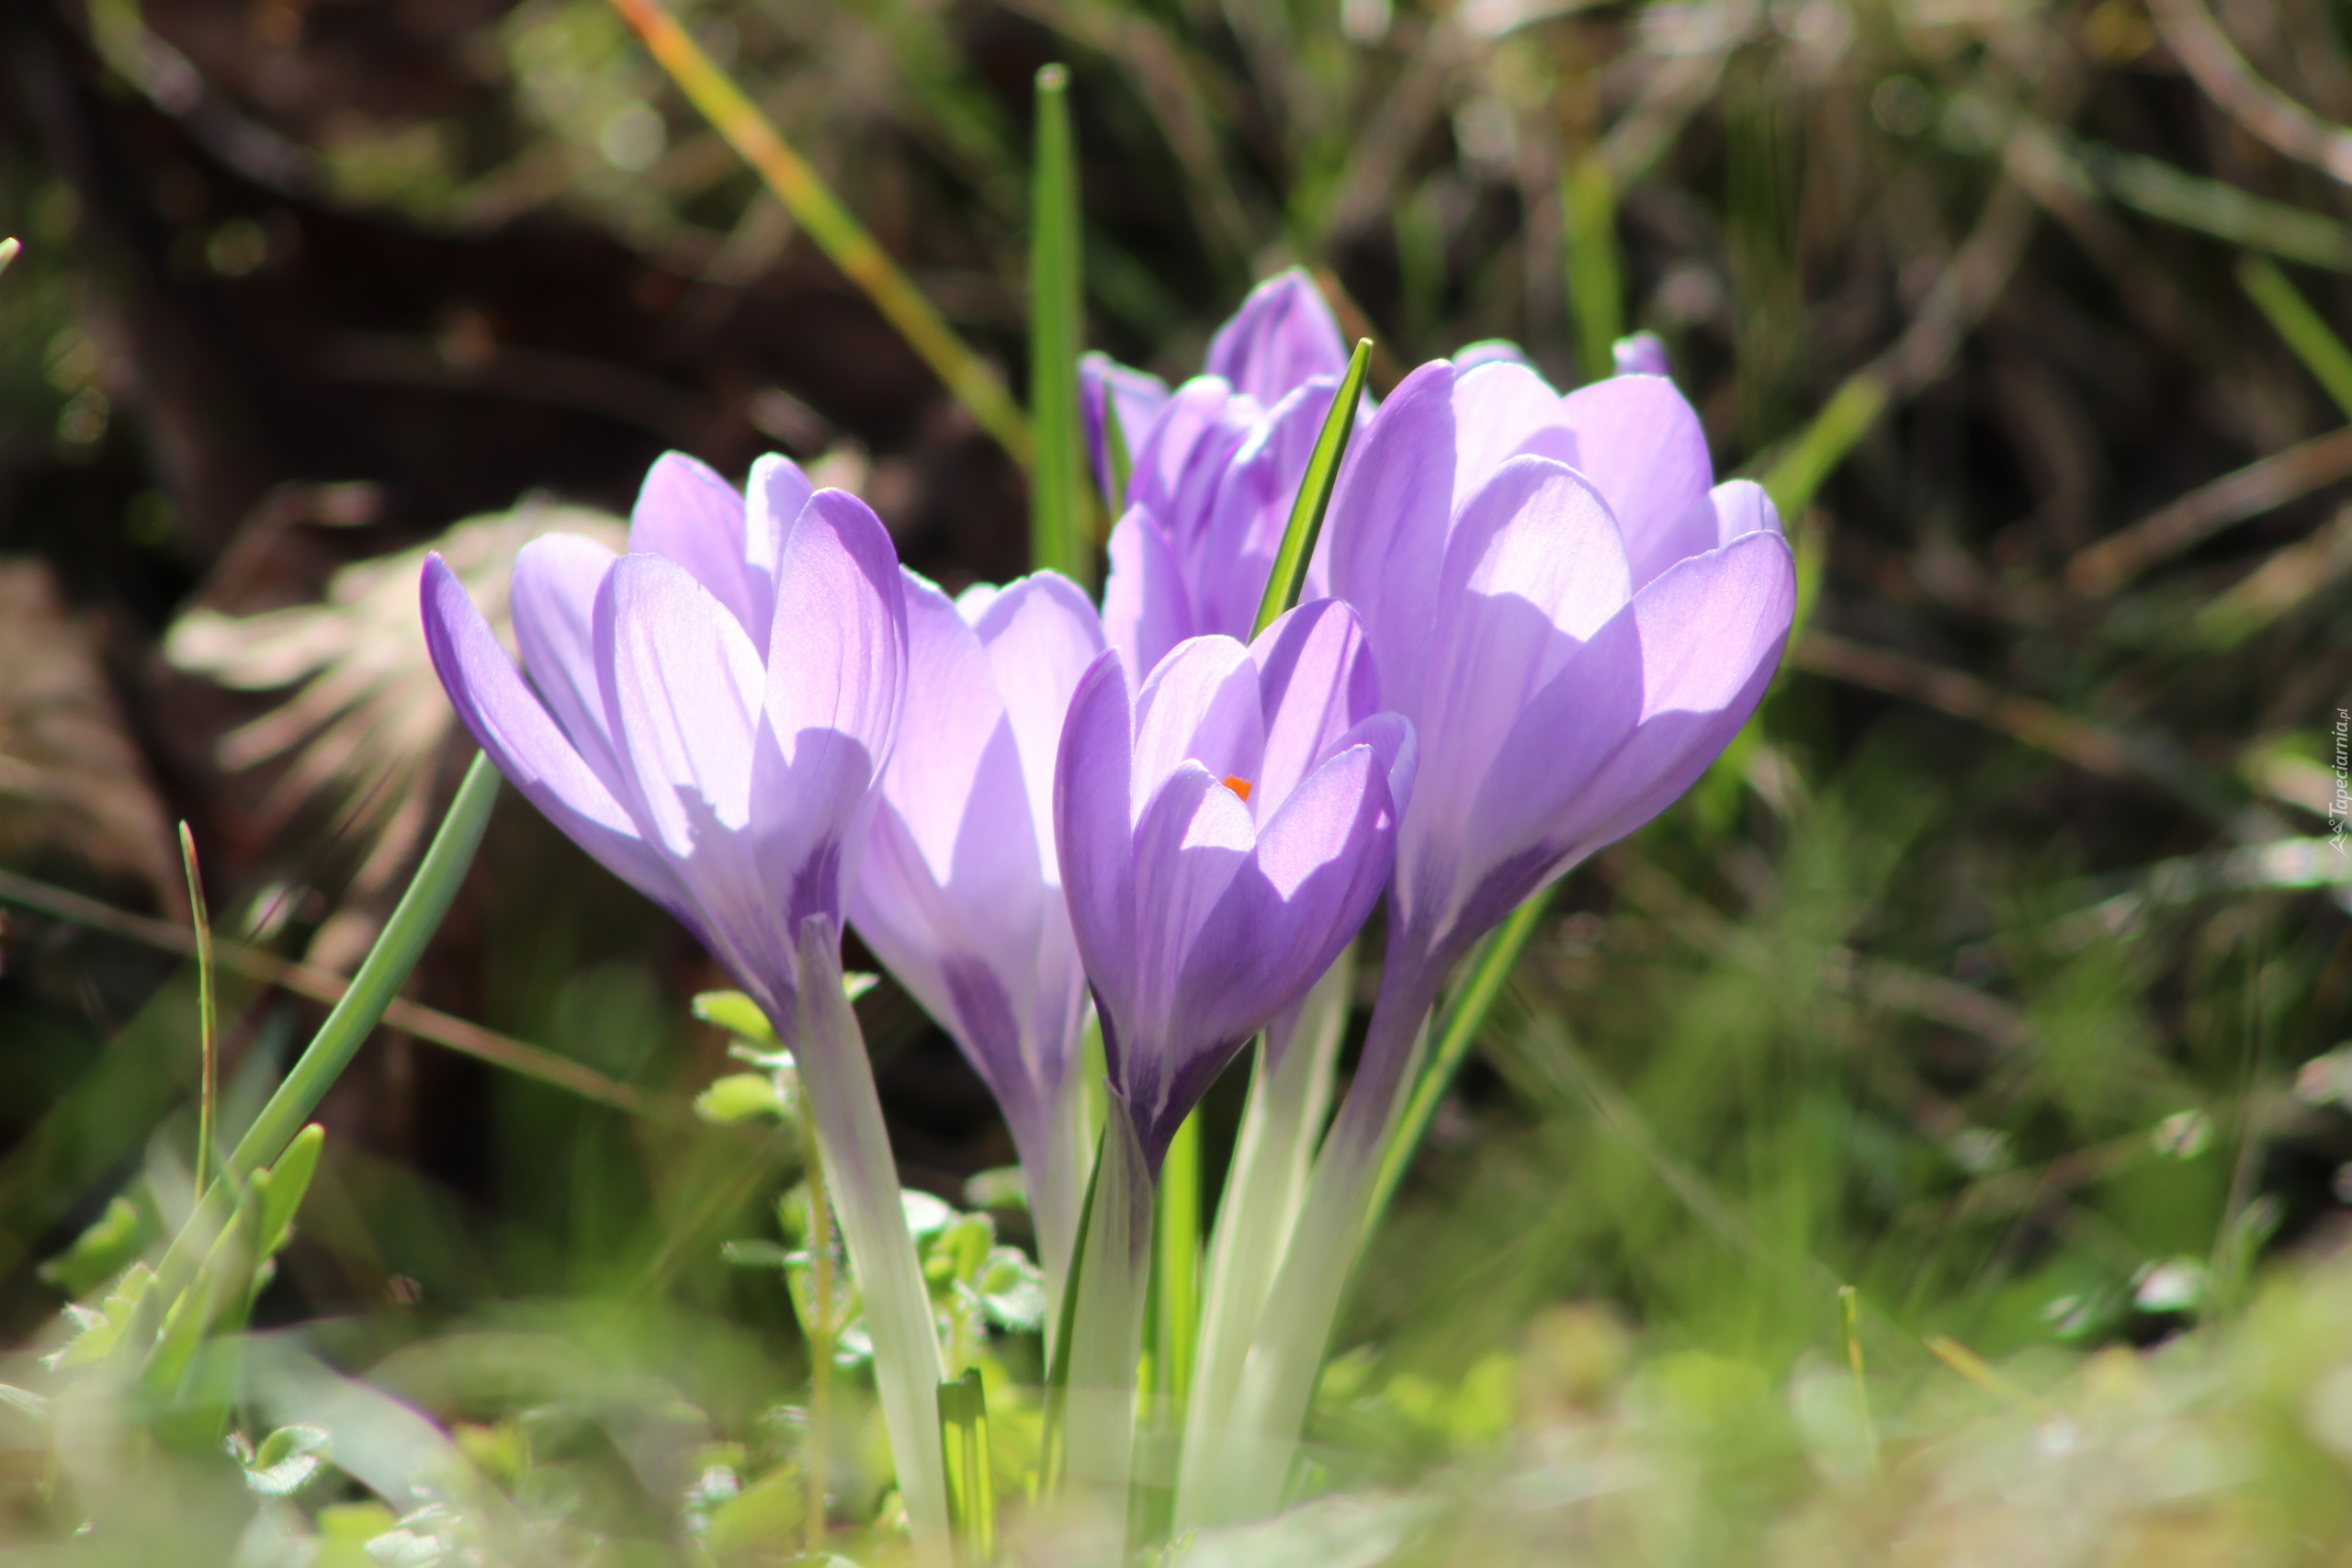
1106, 1333
1247, 1474
855, 1149
1290, 1089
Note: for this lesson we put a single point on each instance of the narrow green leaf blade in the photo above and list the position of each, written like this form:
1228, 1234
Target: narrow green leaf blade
1306, 523
2304, 328
1176, 1265
1058, 538
1596, 289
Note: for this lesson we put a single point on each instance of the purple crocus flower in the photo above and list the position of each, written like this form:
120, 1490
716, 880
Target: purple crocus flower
1223, 834
1216, 465
1575, 620
1576, 623
960, 896
709, 716
1644, 354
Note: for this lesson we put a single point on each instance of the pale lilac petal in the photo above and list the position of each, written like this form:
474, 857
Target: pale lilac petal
685, 511
1626, 728
553, 602
1041, 634
510, 723
1095, 826
1641, 445
1192, 839
837, 655
952, 715
774, 496
1533, 569
1135, 396
1714, 520
1385, 534
1283, 335
1315, 682
1147, 609
1490, 351
681, 686
1200, 704
1234, 553
1184, 453
1504, 409
1644, 354
1395, 745
1282, 916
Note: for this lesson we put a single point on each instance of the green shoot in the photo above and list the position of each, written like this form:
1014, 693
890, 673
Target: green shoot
207, 1012
1058, 538
1596, 289
2304, 328
1315, 487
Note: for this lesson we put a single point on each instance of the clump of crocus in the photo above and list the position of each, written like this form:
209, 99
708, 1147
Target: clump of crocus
1216, 465
1577, 621
961, 892
708, 715
1224, 832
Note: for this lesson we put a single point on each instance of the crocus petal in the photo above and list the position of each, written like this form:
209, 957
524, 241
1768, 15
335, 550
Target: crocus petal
1233, 552
1628, 725
1489, 351
1135, 396
1534, 568
1385, 537
1644, 354
1641, 445
1316, 680
1094, 824
510, 723
1712, 630
837, 653
1714, 519
774, 497
1040, 634
1282, 915
1202, 704
1192, 840
1146, 608
1283, 335
1185, 452
553, 602
1504, 409
685, 511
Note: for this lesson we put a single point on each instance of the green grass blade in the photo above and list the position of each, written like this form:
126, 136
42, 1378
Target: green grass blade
1801, 466
1058, 538
816, 209
1596, 285
1122, 461
2306, 331
1176, 1265
208, 1007
1315, 492
1473, 1001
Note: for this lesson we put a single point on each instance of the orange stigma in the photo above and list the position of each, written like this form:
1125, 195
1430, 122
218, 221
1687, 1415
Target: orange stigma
1238, 785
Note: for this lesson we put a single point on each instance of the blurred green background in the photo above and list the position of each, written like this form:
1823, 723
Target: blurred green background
2001, 972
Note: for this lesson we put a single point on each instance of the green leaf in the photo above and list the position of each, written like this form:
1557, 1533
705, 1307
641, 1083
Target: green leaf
737, 1014
1058, 538
100, 1331
1005, 1186
102, 1251
1305, 522
1596, 290
971, 1490
287, 1460
1176, 1265
2304, 328
290, 1180
742, 1097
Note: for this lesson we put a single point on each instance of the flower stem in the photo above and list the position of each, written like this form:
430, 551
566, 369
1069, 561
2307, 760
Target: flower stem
1290, 1089
818, 1448
1261, 1438
855, 1147
1106, 1327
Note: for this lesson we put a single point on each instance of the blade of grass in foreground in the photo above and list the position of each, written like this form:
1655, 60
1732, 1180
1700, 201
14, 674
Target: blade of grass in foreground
1289, 573
2304, 329
387, 969
814, 206
1058, 538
